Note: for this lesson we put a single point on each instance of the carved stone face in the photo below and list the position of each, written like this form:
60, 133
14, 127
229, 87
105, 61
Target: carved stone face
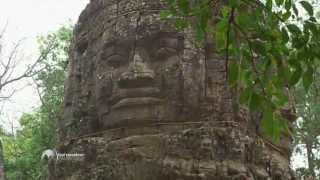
147, 81
130, 69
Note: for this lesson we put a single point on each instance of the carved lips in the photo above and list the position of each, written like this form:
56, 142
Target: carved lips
135, 97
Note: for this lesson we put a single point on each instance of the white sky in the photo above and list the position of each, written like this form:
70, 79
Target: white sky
27, 19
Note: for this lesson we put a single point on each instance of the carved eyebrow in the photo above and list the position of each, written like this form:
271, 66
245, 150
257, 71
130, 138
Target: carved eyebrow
108, 45
117, 42
112, 48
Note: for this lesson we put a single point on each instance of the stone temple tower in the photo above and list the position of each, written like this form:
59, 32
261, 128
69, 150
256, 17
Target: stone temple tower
144, 101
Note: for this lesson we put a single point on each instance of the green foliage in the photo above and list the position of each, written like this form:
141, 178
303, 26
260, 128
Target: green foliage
308, 7
270, 46
38, 130
307, 128
23, 151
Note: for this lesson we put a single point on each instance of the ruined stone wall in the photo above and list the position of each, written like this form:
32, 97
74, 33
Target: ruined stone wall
145, 102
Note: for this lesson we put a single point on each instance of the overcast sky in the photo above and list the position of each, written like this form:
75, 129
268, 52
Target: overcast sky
27, 19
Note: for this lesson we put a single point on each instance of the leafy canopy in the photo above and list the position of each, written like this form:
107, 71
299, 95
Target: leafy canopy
307, 127
269, 46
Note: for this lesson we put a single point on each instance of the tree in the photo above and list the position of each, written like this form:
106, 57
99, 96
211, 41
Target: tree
23, 150
269, 46
307, 129
11, 70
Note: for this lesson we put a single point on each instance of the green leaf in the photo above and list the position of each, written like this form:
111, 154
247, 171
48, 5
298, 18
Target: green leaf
295, 10
308, 78
298, 42
295, 77
203, 22
286, 15
259, 47
313, 19
308, 7
245, 95
271, 125
184, 6
255, 102
268, 123
200, 33
279, 2
246, 77
285, 36
233, 73
171, 2
181, 24
288, 4
220, 34
269, 5
281, 98
246, 20
225, 11
165, 14
294, 29
284, 74
234, 3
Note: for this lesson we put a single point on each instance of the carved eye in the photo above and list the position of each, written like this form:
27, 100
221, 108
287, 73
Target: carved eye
116, 61
164, 53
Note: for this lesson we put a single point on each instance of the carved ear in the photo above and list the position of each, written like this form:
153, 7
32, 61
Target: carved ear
82, 45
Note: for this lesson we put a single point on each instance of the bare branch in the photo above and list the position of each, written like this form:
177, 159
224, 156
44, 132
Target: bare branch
29, 72
10, 64
7, 65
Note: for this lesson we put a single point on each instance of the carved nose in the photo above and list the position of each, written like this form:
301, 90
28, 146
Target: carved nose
137, 75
